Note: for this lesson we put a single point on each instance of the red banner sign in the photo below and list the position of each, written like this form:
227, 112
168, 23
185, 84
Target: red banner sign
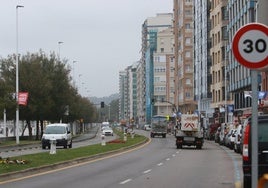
23, 98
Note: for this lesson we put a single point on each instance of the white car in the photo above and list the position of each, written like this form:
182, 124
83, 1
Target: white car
237, 140
107, 131
147, 127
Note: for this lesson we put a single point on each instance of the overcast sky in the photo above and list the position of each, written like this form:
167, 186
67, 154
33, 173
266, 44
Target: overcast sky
102, 36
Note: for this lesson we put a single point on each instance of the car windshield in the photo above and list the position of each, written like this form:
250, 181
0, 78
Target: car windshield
55, 130
106, 128
263, 132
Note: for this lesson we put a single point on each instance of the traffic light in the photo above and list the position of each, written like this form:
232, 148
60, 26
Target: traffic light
102, 104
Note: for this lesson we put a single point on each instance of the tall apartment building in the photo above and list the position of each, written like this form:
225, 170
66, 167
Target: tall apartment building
123, 95
219, 38
132, 77
128, 93
150, 29
140, 95
202, 59
183, 52
164, 81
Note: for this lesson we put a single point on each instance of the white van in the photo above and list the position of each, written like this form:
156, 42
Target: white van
60, 132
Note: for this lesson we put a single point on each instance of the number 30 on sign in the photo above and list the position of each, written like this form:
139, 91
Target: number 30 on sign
250, 46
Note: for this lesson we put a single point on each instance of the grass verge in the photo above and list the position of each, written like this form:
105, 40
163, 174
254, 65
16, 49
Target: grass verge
64, 155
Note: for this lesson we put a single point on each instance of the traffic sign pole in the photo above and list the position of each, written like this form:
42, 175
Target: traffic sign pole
254, 128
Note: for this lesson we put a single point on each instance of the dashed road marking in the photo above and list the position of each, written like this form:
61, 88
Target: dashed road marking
147, 171
167, 159
159, 164
124, 182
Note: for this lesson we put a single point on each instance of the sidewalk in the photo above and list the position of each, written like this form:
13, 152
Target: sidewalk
90, 134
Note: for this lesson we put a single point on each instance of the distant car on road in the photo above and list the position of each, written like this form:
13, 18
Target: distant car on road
107, 131
147, 127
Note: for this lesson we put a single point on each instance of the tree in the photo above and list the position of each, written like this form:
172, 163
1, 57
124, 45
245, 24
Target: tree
51, 94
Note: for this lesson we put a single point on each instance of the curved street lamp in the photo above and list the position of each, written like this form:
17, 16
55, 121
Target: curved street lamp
59, 43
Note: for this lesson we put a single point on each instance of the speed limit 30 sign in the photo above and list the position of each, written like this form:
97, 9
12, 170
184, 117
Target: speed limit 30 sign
250, 46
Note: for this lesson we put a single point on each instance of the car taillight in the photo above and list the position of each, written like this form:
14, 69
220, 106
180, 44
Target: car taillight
245, 144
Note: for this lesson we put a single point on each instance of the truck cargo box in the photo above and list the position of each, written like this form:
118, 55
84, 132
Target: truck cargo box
189, 122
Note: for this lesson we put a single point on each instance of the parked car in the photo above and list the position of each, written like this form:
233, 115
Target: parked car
147, 127
223, 132
61, 132
107, 131
229, 138
238, 137
217, 135
212, 131
262, 125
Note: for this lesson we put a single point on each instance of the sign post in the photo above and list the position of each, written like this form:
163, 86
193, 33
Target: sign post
250, 48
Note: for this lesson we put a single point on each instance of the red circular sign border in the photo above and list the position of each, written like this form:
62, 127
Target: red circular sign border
238, 35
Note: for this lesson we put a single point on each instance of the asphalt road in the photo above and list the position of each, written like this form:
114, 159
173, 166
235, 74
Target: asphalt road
156, 165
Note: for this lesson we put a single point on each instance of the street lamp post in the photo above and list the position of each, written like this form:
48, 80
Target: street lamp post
199, 90
59, 43
17, 76
73, 73
225, 86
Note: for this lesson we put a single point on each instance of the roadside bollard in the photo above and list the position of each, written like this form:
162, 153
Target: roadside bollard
103, 143
53, 146
132, 134
125, 137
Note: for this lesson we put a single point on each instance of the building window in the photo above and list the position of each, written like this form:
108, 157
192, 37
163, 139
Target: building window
156, 79
187, 26
224, 33
188, 81
162, 50
160, 69
188, 95
224, 13
188, 41
188, 68
188, 12
188, 54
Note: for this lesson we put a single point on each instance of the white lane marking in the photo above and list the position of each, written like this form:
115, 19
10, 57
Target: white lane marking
159, 164
168, 159
173, 155
124, 182
147, 171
